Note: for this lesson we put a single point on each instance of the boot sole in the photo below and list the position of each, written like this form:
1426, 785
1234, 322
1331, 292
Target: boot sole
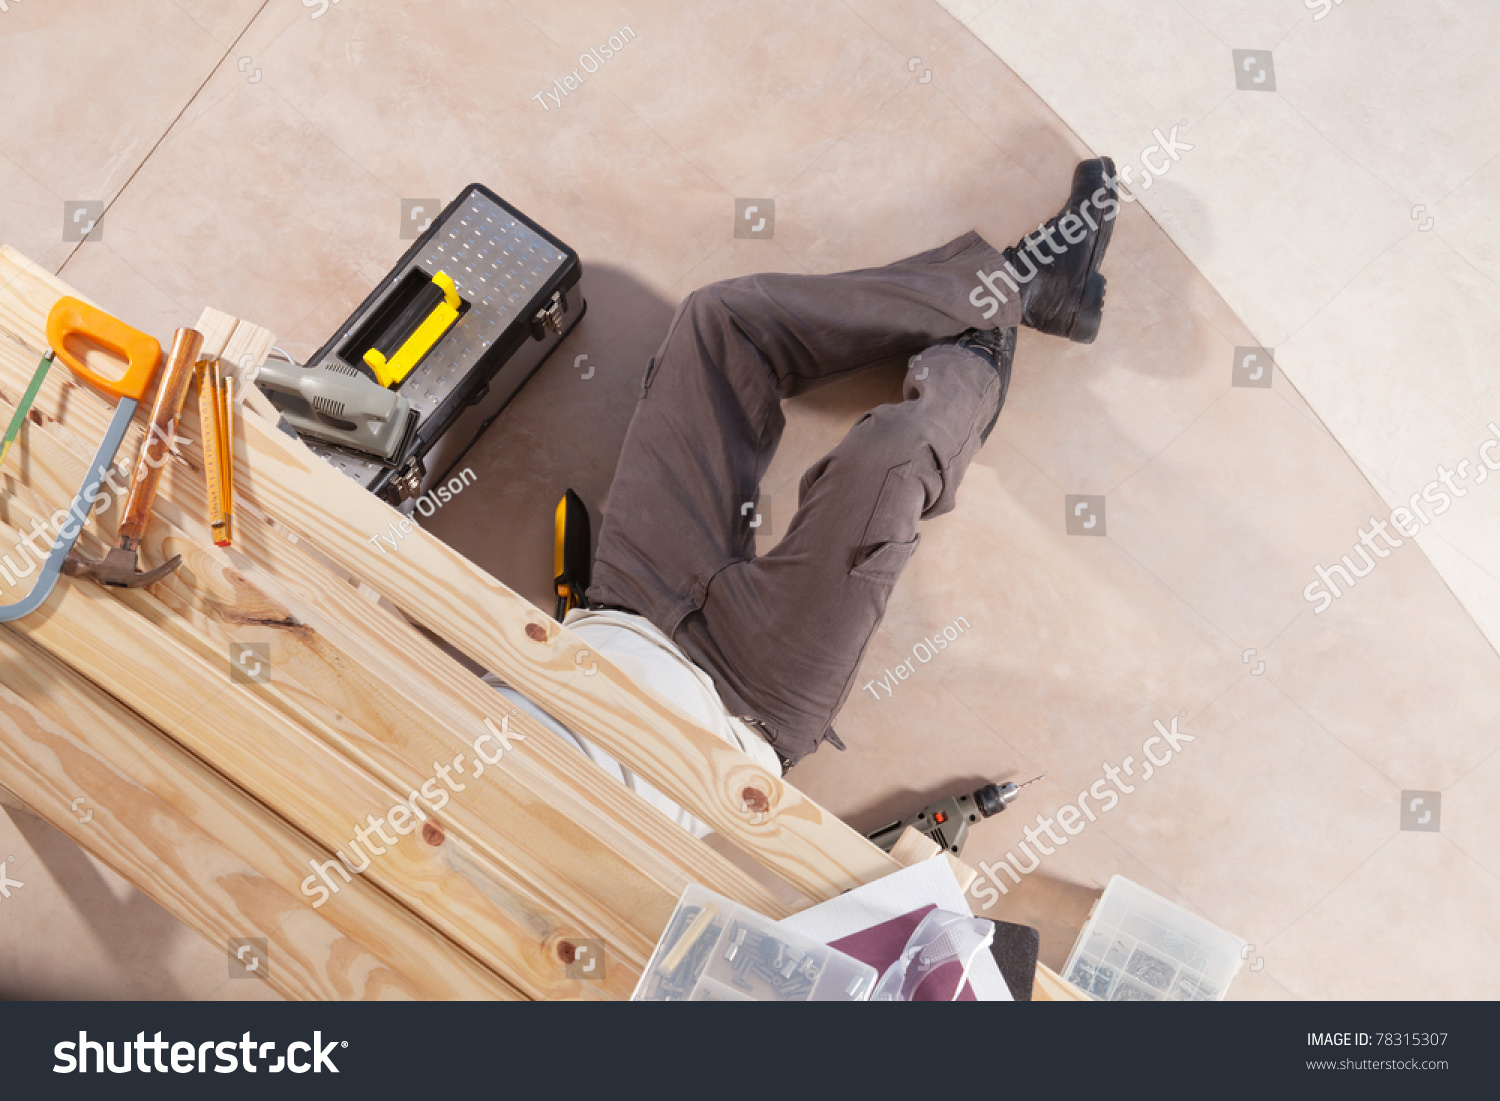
1091, 303
1090, 311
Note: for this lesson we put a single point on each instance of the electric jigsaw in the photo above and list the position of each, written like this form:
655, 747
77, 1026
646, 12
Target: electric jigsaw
337, 404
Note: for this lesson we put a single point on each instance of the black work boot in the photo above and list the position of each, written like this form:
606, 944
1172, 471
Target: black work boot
1057, 267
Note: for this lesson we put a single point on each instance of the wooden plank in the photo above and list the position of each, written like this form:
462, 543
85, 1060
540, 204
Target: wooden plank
454, 598
434, 585
317, 790
572, 782
632, 911
634, 862
961, 872
244, 347
11, 801
1049, 986
765, 816
913, 847
134, 756
167, 823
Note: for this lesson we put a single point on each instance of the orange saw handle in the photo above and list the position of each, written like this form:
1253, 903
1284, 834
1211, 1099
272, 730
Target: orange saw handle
142, 354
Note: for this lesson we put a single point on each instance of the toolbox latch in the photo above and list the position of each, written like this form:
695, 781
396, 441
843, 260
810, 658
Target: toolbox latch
407, 480
549, 319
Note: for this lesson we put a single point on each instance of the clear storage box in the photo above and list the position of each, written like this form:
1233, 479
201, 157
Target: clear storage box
1138, 947
715, 950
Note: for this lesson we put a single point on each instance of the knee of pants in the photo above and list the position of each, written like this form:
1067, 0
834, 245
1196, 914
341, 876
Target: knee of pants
894, 434
707, 305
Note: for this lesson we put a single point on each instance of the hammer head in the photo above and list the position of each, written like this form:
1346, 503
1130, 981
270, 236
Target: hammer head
119, 569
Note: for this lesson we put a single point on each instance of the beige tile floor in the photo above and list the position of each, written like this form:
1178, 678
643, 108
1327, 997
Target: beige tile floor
271, 187
1347, 215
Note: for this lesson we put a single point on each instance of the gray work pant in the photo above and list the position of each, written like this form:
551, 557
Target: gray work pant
783, 634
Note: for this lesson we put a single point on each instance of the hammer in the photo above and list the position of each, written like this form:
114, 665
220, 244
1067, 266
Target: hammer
121, 565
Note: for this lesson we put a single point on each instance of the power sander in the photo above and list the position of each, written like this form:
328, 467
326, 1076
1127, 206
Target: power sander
337, 404
947, 821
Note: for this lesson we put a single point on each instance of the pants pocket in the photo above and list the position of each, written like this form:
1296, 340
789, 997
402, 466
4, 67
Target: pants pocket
890, 535
885, 561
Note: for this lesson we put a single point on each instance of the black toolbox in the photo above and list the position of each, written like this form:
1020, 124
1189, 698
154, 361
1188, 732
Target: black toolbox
521, 291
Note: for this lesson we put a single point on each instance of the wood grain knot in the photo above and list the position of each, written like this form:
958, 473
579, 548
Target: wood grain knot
432, 833
567, 951
756, 800
536, 632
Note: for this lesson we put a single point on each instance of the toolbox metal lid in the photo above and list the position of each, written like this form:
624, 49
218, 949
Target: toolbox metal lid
507, 269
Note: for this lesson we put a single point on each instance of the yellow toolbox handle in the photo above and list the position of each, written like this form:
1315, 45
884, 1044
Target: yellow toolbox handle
393, 371
71, 318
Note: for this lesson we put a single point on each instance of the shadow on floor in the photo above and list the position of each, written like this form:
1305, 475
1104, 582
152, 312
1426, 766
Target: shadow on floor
135, 929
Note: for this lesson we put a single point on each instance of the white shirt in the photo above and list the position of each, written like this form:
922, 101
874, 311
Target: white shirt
649, 657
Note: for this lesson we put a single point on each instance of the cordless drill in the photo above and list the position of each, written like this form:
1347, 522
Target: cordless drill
947, 821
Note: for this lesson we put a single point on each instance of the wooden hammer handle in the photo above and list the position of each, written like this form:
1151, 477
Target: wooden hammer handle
170, 397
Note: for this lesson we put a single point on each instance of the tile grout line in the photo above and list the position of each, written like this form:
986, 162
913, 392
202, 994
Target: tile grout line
1207, 29
1168, 445
1186, 602
1329, 893
1286, 695
168, 131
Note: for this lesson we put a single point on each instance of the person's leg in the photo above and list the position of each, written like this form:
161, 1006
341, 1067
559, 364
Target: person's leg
783, 634
710, 418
